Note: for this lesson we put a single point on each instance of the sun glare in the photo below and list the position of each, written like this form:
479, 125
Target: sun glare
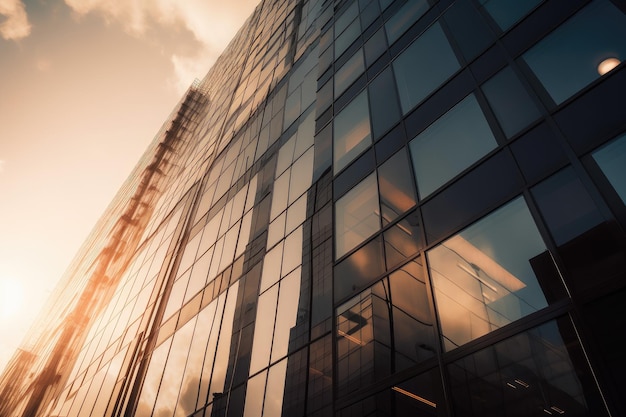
11, 297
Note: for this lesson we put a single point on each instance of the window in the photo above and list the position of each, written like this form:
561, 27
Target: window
357, 215
485, 277
599, 35
510, 101
448, 146
508, 12
404, 18
424, 66
540, 372
351, 132
611, 159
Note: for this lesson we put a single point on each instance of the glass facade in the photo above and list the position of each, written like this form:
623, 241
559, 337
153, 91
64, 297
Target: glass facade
365, 208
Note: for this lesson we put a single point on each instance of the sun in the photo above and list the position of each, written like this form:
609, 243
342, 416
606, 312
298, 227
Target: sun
11, 297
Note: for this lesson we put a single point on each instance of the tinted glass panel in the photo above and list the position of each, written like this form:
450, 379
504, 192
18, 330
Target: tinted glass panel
484, 277
397, 193
424, 66
611, 159
357, 215
540, 372
383, 102
359, 270
404, 18
566, 206
510, 101
599, 33
508, 12
451, 144
352, 131
349, 72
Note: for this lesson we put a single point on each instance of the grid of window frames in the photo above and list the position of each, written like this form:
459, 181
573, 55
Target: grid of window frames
385, 208
463, 195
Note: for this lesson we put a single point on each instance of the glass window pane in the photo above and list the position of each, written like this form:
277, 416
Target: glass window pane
351, 132
599, 33
402, 240
484, 277
451, 144
383, 102
540, 372
375, 47
264, 330
349, 72
397, 193
287, 313
611, 159
363, 339
348, 36
510, 101
357, 215
424, 66
508, 12
404, 18
566, 206
359, 270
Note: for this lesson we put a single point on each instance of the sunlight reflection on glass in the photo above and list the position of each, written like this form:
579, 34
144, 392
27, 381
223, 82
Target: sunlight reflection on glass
608, 65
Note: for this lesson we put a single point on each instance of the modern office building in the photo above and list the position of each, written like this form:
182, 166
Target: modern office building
366, 208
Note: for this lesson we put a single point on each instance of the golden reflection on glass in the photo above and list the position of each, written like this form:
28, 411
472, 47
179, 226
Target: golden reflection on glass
296, 214
205, 326
287, 313
225, 339
275, 389
357, 215
276, 230
153, 380
244, 234
301, 175
280, 194
271, 267
351, 132
608, 65
264, 330
483, 276
292, 256
216, 310
254, 396
174, 369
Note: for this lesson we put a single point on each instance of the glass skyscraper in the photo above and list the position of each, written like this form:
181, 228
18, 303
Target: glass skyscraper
366, 208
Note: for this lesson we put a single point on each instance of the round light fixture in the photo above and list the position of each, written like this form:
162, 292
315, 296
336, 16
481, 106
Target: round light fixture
607, 65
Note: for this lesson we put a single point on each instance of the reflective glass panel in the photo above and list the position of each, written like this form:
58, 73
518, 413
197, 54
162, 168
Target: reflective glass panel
484, 278
599, 35
566, 206
352, 132
540, 372
383, 102
451, 144
397, 193
349, 72
357, 215
404, 18
611, 159
510, 101
424, 66
508, 12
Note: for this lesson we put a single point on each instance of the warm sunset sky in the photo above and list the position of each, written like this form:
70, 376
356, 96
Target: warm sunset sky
84, 87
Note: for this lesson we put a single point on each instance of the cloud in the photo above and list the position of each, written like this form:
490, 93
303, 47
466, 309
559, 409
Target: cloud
15, 25
43, 64
212, 23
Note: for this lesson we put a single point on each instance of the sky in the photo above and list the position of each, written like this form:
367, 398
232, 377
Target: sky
85, 85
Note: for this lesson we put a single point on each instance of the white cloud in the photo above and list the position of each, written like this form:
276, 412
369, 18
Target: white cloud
212, 22
15, 25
